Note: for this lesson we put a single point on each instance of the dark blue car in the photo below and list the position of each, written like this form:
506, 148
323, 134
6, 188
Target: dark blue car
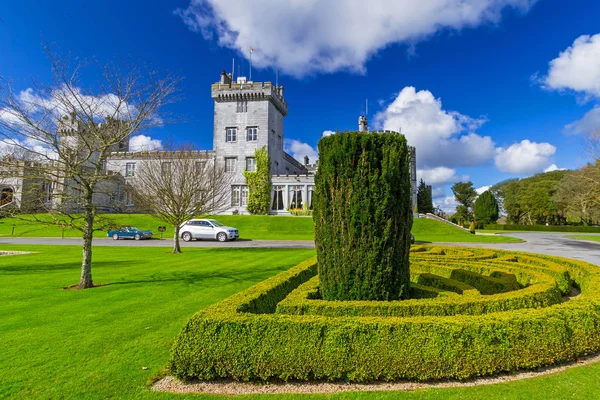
129, 232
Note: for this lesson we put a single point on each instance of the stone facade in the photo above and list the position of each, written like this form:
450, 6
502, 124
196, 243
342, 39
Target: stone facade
247, 116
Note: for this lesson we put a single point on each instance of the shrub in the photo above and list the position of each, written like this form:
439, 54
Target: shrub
486, 208
472, 227
362, 214
241, 337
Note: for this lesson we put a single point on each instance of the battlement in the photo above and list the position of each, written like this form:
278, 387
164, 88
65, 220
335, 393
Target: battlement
143, 155
250, 91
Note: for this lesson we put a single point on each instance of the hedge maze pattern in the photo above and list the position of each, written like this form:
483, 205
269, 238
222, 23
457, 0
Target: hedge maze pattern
473, 312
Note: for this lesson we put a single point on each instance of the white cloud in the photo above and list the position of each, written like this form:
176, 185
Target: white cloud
310, 36
554, 167
439, 176
144, 143
589, 123
298, 150
448, 203
525, 157
442, 138
482, 189
577, 68
327, 133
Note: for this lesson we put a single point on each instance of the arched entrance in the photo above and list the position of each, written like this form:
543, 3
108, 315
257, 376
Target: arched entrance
6, 196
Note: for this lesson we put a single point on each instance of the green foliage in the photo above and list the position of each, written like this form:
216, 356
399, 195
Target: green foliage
486, 208
259, 184
229, 340
362, 214
543, 228
532, 200
424, 198
472, 227
465, 195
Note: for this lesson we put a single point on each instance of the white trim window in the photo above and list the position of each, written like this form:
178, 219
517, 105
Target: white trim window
230, 135
230, 164
128, 199
250, 164
295, 197
277, 203
165, 168
130, 169
239, 195
252, 134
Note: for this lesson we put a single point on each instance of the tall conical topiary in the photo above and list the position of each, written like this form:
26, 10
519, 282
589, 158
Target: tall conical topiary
363, 216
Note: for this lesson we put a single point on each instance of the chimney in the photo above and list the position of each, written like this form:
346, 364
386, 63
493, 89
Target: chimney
363, 124
306, 160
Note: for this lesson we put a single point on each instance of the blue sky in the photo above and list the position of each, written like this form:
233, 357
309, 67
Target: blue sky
486, 89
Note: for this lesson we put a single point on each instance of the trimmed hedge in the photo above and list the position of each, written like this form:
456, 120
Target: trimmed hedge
544, 228
224, 341
363, 216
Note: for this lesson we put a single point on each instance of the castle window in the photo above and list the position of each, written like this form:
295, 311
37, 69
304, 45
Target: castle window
296, 197
128, 199
277, 203
242, 106
230, 164
165, 169
231, 134
311, 192
130, 169
252, 134
199, 166
251, 164
239, 195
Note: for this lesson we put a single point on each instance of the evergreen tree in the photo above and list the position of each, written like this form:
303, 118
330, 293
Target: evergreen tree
465, 195
486, 208
362, 214
424, 199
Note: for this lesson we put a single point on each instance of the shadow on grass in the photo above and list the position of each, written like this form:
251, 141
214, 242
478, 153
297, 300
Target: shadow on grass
203, 278
21, 269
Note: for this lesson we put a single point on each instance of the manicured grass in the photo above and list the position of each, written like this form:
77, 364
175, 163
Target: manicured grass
583, 237
251, 227
94, 343
429, 230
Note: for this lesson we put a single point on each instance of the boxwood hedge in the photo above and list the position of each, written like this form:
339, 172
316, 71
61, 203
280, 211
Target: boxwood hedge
244, 338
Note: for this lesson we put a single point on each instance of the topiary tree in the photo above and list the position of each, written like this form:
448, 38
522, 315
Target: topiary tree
486, 208
363, 216
259, 184
424, 198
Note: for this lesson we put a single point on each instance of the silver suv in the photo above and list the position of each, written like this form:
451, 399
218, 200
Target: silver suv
207, 229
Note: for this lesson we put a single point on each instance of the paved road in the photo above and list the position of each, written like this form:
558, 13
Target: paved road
555, 244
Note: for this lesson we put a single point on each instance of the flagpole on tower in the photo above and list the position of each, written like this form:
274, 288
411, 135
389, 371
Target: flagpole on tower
251, 51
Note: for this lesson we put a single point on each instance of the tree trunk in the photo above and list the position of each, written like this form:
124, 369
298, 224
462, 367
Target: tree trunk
176, 246
86, 265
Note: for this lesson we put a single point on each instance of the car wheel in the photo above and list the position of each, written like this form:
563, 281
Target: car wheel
222, 237
115, 236
137, 236
186, 236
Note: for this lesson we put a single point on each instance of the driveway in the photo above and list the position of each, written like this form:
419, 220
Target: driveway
555, 244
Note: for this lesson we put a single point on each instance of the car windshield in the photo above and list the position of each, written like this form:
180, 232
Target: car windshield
132, 228
215, 222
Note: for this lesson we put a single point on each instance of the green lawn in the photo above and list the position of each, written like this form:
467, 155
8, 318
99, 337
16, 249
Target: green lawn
251, 227
583, 237
93, 344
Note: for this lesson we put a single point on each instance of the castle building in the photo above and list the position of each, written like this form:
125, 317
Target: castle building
247, 116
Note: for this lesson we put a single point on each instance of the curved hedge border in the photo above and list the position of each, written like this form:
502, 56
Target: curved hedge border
241, 338
544, 228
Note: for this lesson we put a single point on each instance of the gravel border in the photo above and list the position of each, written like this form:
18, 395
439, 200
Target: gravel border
13, 253
230, 387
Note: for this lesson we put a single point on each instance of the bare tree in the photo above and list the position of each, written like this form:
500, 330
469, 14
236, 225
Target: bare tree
179, 185
67, 132
592, 144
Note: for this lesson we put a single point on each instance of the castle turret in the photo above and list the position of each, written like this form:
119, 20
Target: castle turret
363, 124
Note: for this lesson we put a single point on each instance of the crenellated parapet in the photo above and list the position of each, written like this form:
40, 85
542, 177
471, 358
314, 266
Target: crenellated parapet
250, 91
144, 155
